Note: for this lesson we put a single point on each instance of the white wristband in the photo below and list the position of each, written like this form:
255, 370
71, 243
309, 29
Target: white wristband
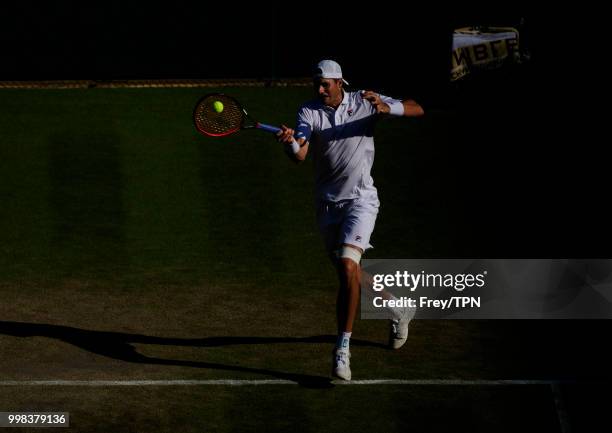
295, 147
396, 108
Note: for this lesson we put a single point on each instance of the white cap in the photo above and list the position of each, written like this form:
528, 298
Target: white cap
329, 69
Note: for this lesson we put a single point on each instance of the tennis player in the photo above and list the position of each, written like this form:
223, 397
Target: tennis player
337, 128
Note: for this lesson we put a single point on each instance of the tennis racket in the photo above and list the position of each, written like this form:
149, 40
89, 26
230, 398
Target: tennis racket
218, 115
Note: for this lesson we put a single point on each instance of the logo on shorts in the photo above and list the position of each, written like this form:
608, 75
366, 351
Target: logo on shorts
358, 238
350, 111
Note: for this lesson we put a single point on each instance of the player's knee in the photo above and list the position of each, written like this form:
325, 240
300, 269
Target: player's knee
349, 266
349, 260
351, 253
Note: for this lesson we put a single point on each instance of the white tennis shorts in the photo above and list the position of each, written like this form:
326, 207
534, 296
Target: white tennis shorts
347, 222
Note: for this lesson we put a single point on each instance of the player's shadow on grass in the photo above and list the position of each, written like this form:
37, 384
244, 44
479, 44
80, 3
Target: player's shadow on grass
118, 345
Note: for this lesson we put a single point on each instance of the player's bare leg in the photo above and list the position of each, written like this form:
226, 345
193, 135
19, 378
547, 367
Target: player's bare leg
348, 296
349, 275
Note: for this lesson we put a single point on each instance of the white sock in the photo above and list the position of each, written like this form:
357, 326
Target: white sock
343, 341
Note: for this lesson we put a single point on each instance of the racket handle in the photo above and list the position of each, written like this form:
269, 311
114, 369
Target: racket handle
267, 128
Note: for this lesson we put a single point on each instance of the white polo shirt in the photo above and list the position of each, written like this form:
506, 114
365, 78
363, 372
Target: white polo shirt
342, 144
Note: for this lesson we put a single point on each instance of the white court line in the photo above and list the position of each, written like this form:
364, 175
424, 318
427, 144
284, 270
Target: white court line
251, 382
554, 384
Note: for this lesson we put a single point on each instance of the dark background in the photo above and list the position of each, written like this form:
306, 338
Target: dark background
383, 45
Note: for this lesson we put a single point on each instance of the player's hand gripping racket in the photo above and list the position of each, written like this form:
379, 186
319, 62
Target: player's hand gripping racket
219, 115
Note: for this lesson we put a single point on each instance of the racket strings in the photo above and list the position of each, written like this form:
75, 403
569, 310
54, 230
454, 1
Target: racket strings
211, 122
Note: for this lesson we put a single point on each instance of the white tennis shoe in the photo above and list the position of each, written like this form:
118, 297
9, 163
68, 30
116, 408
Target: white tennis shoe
342, 364
398, 333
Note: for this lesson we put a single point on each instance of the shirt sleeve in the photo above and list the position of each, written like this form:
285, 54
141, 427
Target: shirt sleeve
391, 102
304, 124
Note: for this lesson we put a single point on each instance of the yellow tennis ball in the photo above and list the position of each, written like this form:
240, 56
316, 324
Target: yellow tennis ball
218, 106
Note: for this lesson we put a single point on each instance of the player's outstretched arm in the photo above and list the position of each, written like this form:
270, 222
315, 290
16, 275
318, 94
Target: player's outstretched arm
296, 149
382, 105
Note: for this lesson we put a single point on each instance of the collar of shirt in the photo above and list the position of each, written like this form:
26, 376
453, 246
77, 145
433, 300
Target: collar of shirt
345, 98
